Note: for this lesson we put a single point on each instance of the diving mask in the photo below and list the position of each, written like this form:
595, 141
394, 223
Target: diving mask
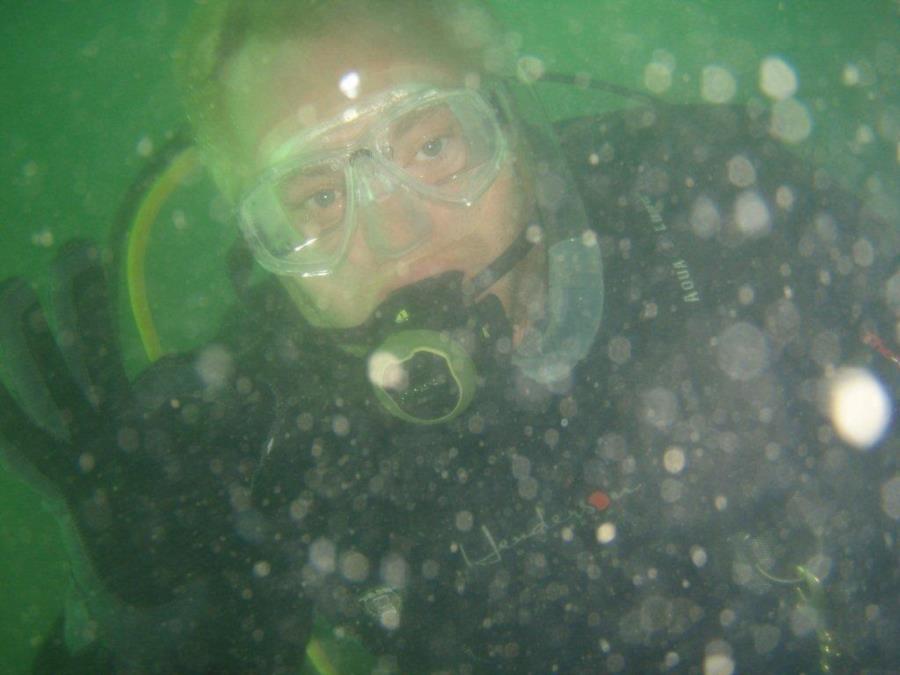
416, 144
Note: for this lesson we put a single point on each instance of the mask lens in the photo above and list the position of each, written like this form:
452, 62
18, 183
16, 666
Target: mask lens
448, 148
297, 219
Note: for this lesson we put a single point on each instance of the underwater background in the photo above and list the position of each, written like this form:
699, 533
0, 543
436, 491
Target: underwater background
89, 96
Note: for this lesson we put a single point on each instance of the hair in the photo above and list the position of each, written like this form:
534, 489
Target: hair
460, 31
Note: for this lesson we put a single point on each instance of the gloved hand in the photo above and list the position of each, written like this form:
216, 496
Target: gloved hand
156, 475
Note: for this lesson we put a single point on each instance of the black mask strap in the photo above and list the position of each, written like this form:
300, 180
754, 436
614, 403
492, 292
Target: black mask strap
491, 274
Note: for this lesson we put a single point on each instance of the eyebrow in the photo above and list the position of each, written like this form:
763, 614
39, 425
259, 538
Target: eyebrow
413, 118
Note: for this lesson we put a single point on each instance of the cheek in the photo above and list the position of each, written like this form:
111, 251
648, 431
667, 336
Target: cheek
501, 216
493, 221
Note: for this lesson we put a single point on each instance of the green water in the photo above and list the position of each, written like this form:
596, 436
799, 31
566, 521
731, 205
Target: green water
88, 94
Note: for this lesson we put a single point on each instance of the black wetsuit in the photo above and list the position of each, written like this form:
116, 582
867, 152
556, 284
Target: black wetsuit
736, 280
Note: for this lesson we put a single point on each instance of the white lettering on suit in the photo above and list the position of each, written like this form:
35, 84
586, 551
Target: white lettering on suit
496, 548
680, 267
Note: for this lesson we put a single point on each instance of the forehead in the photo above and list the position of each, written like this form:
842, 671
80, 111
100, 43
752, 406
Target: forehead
274, 91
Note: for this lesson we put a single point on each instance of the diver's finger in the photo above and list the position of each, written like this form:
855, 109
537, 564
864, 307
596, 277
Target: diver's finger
33, 363
88, 339
30, 451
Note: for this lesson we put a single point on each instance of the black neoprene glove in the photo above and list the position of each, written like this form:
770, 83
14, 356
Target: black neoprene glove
156, 475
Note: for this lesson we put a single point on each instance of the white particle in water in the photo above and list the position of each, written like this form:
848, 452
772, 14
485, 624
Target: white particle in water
86, 462
322, 555
718, 664
394, 571
863, 253
340, 425
387, 371
464, 521
671, 490
859, 406
606, 533
390, 619
746, 294
674, 460
864, 134
534, 234
751, 214
530, 69
777, 79
660, 408
741, 172
850, 75
784, 197
727, 617
619, 350
44, 238
717, 85
791, 121
657, 77
215, 366
742, 351
354, 566
145, 146
698, 556
349, 84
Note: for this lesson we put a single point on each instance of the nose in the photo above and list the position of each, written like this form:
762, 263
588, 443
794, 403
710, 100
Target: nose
373, 185
394, 219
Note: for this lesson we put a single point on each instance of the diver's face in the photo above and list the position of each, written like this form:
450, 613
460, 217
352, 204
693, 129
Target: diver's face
278, 92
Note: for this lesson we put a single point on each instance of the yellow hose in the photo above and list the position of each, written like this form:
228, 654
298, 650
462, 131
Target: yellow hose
319, 659
185, 163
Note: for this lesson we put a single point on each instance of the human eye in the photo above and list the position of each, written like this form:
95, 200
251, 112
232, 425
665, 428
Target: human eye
316, 198
323, 200
320, 213
432, 148
300, 194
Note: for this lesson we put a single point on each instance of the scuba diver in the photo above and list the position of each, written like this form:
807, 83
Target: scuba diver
512, 398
